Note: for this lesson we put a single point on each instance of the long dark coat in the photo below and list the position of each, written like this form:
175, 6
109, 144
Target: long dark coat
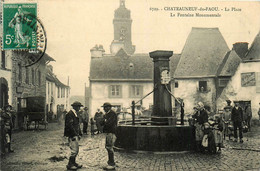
72, 125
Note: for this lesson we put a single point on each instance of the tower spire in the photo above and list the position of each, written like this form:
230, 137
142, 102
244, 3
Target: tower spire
122, 30
122, 3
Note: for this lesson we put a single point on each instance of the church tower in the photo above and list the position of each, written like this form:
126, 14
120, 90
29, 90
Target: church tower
122, 30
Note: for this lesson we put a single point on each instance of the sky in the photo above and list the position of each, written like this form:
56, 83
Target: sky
74, 27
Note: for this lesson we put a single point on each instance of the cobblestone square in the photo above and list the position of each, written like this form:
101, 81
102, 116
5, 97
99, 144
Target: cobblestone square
48, 150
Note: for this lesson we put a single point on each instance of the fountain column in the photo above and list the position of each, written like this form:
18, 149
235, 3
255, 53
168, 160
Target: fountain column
162, 104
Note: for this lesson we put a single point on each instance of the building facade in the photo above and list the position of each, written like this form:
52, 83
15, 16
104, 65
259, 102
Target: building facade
205, 67
5, 78
200, 73
27, 82
244, 86
57, 94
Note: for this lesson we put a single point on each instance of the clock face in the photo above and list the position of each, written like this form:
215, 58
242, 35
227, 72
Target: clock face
122, 33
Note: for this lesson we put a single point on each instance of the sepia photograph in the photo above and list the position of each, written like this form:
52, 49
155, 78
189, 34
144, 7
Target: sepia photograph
130, 85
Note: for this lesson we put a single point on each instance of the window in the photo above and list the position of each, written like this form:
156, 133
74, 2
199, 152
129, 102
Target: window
202, 86
26, 75
48, 88
136, 91
52, 89
176, 84
115, 91
19, 73
258, 82
33, 77
62, 92
3, 61
58, 92
39, 77
223, 82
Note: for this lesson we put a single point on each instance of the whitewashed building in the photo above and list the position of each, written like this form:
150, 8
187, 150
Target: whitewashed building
206, 65
57, 93
244, 86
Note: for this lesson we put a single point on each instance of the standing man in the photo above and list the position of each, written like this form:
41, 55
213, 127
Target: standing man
99, 118
3, 132
237, 119
9, 124
248, 114
73, 132
110, 124
85, 119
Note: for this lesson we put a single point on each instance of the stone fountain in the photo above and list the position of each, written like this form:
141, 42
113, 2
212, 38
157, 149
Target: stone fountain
161, 134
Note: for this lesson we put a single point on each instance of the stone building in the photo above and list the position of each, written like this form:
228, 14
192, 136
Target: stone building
121, 76
206, 65
57, 93
5, 79
244, 86
27, 82
200, 73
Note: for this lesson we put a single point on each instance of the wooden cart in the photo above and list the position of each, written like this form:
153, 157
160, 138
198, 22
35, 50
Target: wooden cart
35, 113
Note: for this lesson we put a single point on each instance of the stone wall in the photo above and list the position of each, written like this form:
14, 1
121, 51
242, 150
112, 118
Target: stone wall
6, 73
235, 92
188, 90
21, 88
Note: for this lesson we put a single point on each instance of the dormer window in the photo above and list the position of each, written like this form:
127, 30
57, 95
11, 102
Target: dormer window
203, 86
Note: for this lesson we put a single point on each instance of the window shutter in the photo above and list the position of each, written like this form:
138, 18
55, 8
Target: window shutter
258, 82
141, 91
120, 91
109, 91
130, 91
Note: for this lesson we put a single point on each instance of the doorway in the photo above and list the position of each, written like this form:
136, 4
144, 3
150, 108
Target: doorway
3, 92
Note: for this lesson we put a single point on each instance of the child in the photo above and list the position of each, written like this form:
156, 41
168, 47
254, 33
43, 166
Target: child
92, 123
226, 117
218, 128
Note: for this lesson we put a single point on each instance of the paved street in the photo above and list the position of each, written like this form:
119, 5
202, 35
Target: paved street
48, 150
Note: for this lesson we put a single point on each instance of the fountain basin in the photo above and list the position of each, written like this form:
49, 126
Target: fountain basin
155, 138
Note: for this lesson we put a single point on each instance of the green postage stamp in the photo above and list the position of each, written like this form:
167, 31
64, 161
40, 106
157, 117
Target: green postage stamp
19, 26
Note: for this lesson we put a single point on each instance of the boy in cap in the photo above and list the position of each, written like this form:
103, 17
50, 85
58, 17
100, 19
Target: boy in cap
110, 124
85, 119
73, 132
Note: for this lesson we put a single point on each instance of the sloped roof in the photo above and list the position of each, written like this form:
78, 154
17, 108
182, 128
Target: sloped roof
52, 78
202, 54
47, 57
135, 67
254, 50
229, 65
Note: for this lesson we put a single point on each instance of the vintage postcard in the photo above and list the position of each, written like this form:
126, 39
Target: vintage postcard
130, 85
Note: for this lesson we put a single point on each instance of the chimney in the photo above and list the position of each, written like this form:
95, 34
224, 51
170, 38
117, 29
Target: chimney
97, 51
241, 49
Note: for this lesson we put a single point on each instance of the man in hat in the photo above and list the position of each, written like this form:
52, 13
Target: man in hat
73, 132
110, 124
237, 119
8, 124
85, 119
99, 117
